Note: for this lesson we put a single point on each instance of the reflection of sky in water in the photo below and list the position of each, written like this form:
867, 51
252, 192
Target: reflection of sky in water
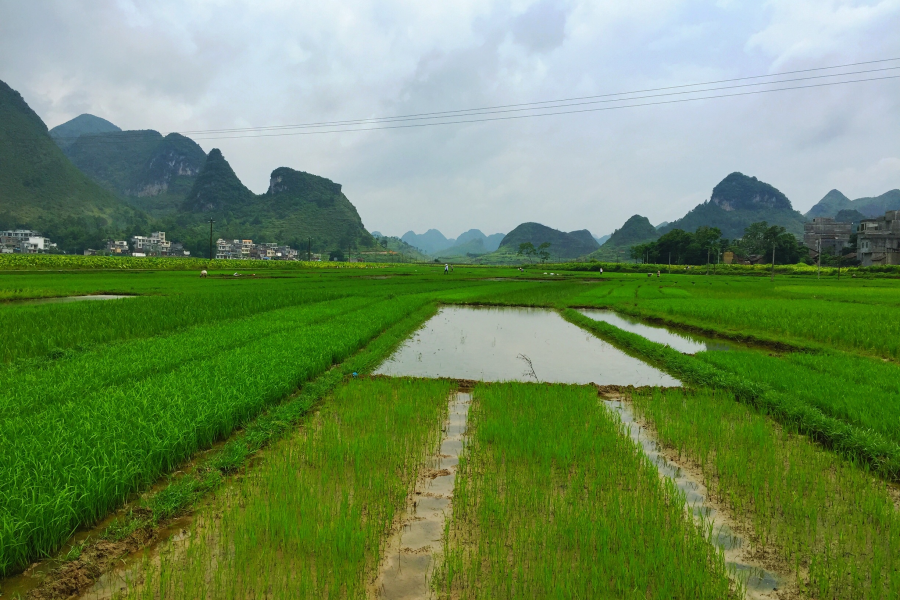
484, 344
689, 344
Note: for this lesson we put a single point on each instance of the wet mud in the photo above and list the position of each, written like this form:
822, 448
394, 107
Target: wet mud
414, 548
762, 575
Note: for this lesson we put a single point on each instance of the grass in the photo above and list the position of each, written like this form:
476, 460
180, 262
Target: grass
829, 521
310, 521
552, 500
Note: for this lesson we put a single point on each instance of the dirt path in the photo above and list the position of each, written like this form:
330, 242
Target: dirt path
416, 543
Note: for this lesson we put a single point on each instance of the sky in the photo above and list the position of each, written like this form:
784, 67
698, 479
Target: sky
195, 65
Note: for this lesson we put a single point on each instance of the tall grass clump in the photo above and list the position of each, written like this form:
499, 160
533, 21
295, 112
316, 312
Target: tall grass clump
310, 521
553, 500
827, 519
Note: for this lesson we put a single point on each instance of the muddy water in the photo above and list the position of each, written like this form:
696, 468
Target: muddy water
759, 583
415, 546
492, 344
677, 340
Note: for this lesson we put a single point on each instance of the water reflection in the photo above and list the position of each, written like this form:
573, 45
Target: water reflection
677, 340
515, 344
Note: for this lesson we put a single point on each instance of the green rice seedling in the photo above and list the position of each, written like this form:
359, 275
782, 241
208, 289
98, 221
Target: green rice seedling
553, 500
66, 461
827, 519
311, 520
862, 391
856, 442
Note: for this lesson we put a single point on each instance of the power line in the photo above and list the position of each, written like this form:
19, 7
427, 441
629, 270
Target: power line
577, 98
462, 116
566, 105
548, 114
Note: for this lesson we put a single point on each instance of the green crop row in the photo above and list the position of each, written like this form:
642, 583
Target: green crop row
552, 500
852, 326
862, 391
826, 520
10, 262
761, 270
864, 445
67, 460
311, 520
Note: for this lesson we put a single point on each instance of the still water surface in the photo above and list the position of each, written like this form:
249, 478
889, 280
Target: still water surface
489, 344
677, 340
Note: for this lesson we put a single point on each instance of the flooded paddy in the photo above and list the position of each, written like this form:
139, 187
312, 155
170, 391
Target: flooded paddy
675, 339
516, 344
67, 299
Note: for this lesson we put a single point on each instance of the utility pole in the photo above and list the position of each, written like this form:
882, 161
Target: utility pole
670, 261
840, 256
309, 249
210, 239
773, 262
707, 261
819, 258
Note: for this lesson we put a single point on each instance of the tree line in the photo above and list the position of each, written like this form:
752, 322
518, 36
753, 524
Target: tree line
706, 244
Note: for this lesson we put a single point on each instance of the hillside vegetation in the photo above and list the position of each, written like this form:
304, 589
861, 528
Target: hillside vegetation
636, 230
41, 189
562, 245
736, 202
297, 206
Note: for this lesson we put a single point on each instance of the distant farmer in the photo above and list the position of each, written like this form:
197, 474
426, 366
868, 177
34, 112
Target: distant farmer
649, 274
203, 273
657, 273
601, 270
446, 269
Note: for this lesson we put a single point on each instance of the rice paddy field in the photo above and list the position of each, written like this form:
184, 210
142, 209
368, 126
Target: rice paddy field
228, 437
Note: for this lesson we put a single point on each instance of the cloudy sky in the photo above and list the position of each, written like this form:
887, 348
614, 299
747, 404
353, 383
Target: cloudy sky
192, 65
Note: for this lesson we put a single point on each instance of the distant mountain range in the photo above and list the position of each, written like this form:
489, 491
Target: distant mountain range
835, 202
98, 181
433, 242
86, 180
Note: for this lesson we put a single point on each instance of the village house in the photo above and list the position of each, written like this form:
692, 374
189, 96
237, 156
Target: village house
824, 234
878, 240
24, 241
155, 244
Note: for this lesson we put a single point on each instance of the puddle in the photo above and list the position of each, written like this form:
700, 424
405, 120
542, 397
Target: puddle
677, 340
67, 299
411, 552
758, 583
515, 344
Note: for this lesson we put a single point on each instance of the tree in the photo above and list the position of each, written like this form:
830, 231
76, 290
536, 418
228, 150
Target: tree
543, 251
760, 238
527, 250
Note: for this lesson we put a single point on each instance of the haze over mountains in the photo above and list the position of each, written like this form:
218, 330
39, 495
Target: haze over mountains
835, 202
472, 241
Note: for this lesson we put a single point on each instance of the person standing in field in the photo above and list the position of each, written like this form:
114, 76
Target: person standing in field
446, 269
203, 273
